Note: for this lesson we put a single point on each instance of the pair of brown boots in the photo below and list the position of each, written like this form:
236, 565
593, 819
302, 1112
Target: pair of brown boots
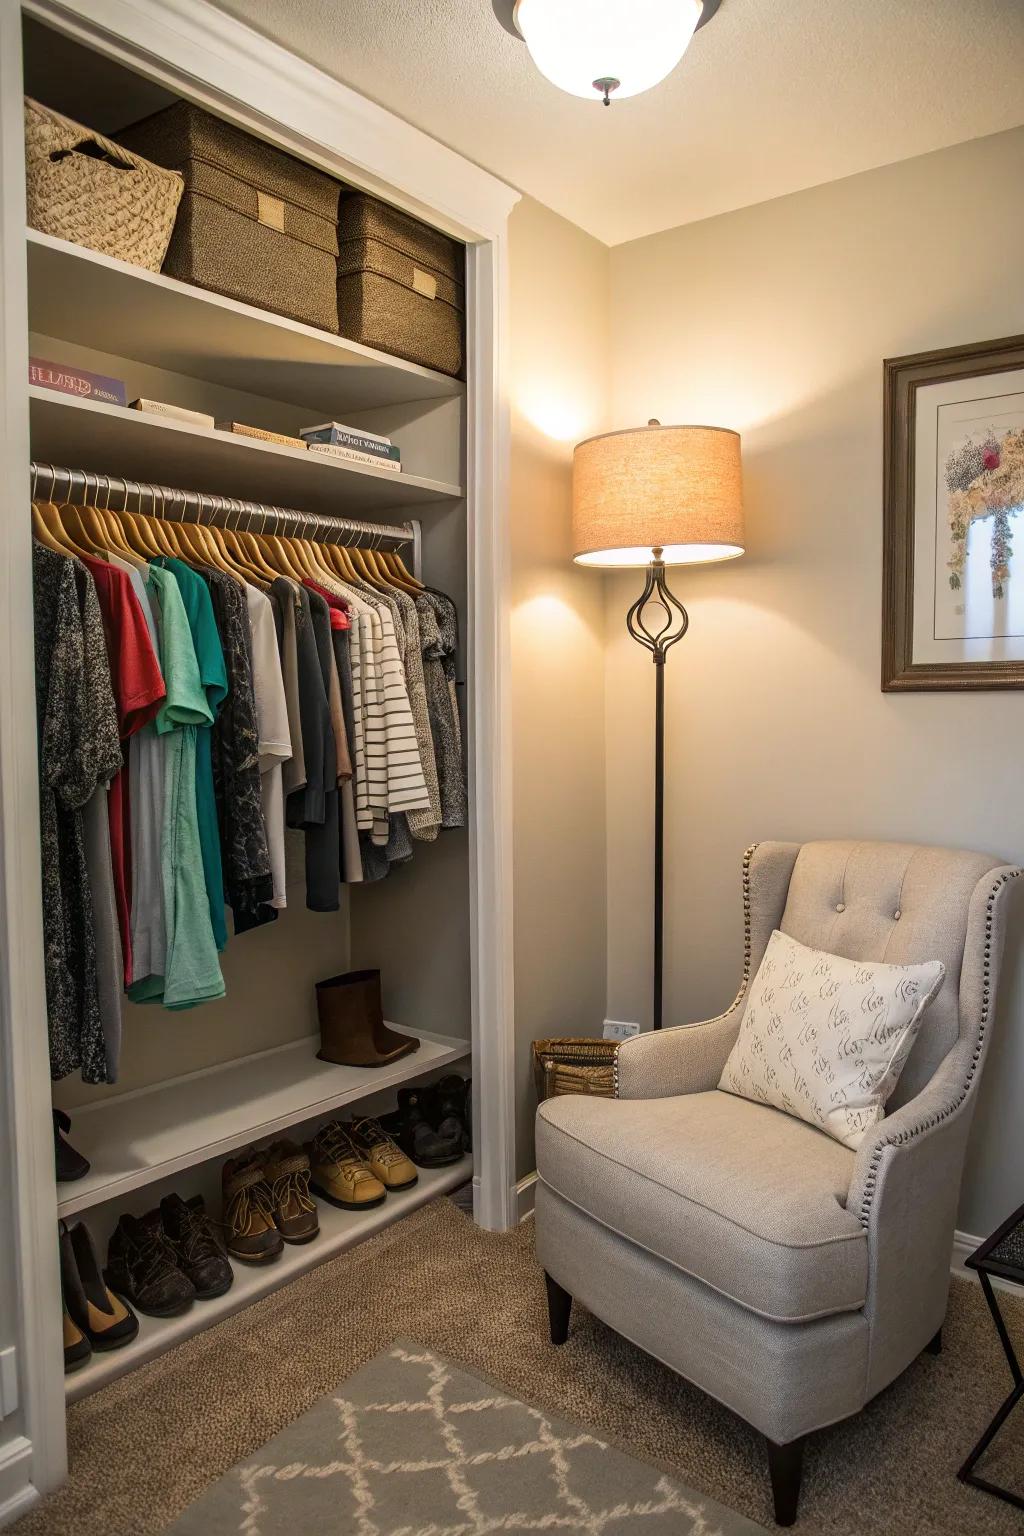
352, 1028
267, 1202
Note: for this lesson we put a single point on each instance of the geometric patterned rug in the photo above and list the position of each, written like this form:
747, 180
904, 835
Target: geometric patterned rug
413, 1446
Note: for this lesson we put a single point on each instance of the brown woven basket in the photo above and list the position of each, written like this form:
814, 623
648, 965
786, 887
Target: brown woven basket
85, 188
574, 1066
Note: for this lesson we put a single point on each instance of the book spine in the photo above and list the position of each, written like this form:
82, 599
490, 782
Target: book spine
353, 456
76, 381
323, 429
343, 438
175, 412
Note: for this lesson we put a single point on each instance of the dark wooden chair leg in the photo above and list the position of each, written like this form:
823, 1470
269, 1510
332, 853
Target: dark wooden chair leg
785, 1464
559, 1307
934, 1346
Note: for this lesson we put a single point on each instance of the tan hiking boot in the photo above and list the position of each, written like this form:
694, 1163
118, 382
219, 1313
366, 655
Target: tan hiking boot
340, 1174
384, 1157
286, 1167
249, 1226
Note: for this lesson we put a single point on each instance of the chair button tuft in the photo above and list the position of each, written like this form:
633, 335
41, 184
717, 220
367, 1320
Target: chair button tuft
897, 915
840, 906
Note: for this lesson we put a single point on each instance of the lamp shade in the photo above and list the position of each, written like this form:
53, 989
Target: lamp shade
677, 489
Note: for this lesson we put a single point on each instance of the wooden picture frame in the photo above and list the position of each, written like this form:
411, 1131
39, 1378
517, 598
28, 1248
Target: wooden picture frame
934, 400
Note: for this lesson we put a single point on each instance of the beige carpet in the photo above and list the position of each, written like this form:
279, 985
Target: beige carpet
146, 1446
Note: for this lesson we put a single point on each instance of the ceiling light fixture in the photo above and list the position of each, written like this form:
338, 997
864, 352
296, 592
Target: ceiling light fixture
592, 48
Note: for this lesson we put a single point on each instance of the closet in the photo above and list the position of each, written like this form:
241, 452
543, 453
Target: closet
195, 1087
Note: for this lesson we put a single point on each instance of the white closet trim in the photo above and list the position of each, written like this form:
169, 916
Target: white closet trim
188, 45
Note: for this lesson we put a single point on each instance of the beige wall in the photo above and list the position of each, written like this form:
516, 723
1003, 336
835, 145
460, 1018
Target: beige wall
559, 381
775, 320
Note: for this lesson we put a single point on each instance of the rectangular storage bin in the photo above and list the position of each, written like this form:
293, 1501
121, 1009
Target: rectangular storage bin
82, 187
401, 284
254, 223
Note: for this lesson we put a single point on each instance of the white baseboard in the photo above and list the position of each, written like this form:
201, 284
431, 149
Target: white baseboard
17, 1494
963, 1246
524, 1196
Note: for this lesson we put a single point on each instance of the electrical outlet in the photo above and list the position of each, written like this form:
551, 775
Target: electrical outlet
614, 1029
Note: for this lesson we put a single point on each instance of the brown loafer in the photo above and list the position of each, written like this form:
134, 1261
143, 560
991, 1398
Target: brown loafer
286, 1167
249, 1225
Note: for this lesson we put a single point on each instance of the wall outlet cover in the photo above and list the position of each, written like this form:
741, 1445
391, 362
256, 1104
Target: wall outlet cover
614, 1029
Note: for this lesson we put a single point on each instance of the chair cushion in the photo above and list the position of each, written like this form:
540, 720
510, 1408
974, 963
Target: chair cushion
737, 1194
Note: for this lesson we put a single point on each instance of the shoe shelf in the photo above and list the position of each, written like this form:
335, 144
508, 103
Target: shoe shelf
134, 1139
100, 302
338, 1230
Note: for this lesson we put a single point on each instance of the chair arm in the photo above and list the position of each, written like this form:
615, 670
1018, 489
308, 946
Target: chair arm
686, 1059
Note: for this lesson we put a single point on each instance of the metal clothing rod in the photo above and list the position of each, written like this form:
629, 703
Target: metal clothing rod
119, 494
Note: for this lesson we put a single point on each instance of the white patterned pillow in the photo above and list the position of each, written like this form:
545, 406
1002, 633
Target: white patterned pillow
825, 1038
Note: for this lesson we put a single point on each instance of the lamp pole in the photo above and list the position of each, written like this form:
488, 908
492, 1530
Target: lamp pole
657, 621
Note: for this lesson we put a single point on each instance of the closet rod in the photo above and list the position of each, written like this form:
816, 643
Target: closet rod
120, 493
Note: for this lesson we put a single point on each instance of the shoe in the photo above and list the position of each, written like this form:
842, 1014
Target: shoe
249, 1211
383, 1156
103, 1320
191, 1235
450, 1101
286, 1167
70, 1164
143, 1268
352, 1028
417, 1137
340, 1174
77, 1349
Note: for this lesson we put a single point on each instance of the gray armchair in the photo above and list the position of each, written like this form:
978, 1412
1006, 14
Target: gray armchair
777, 1270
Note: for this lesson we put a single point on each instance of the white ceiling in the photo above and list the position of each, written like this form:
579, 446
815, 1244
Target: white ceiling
773, 95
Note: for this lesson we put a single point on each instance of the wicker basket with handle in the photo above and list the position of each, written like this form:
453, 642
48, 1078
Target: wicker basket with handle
574, 1066
85, 188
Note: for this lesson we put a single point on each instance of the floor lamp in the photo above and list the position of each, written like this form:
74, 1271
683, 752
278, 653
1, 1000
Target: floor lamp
656, 496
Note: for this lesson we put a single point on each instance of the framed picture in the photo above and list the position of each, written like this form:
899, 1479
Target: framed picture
953, 561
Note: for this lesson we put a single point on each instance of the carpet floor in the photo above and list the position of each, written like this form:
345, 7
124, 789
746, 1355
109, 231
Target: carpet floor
147, 1445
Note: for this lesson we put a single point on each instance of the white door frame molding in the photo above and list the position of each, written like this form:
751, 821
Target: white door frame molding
198, 51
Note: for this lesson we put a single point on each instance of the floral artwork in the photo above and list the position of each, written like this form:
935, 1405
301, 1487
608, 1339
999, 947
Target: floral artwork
985, 479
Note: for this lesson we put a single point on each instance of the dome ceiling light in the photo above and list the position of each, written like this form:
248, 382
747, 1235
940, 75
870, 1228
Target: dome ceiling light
592, 48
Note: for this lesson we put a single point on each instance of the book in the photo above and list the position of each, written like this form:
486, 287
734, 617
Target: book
353, 456
351, 437
240, 429
76, 381
176, 412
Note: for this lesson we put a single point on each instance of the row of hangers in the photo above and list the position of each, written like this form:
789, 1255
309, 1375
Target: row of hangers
77, 528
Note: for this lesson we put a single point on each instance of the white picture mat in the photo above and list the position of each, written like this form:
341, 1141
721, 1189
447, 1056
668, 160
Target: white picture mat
958, 626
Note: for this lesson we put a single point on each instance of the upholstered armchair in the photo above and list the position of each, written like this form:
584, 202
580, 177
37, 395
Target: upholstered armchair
781, 1272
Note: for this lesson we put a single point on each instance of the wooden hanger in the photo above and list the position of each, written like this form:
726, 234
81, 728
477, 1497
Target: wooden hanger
251, 550
282, 557
136, 531
113, 530
400, 575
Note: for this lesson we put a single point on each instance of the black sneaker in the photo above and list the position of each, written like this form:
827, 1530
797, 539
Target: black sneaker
70, 1164
143, 1267
418, 1139
200, 1256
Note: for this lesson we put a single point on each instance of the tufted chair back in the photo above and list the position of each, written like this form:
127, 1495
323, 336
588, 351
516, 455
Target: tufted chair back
896, 902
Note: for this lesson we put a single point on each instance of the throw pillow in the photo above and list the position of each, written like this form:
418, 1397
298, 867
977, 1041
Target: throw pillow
825, 1038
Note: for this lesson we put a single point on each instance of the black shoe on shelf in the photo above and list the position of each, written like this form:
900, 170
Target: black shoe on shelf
193, 1238
143, 1268
103, 1320
70, 1164
411, 1127
448, 1108
77, 1349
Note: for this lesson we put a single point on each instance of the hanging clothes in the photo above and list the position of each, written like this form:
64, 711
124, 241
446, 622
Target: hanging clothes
439, 636
274, 745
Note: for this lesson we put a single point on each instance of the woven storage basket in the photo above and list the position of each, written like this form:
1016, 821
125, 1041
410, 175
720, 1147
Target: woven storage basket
82, 187
254, 224
401, 284
574, 1066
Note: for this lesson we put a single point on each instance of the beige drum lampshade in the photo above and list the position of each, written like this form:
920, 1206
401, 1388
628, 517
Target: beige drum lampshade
678, 489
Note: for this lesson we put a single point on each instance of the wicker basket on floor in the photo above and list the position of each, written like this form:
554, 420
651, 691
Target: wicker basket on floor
82, 187
574, 1066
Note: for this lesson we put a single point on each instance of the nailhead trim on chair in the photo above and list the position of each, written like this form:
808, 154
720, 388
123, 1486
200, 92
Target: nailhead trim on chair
909, 1133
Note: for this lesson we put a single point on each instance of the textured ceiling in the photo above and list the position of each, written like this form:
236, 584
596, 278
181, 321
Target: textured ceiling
772, 96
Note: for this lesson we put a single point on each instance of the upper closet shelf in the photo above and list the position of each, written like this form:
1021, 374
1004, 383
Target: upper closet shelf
82, 296
135, 1138
114, 440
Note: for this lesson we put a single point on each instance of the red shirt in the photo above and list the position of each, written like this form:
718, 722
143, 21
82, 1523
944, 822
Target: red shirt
138, 686
337, 605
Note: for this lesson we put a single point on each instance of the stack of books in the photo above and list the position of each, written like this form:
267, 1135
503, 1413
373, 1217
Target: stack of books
353, 444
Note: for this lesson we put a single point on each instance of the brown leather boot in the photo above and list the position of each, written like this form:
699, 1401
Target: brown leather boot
352, 1028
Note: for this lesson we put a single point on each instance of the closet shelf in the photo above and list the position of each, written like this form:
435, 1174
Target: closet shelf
338, 1230
133, 1139
98, 301
111, 439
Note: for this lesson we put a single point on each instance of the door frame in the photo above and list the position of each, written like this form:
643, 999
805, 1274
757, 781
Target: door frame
194, 49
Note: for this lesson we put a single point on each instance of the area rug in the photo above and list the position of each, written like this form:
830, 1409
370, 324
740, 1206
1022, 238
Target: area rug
412, 1444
